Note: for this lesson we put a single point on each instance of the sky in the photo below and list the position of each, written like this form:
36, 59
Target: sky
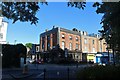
58, 14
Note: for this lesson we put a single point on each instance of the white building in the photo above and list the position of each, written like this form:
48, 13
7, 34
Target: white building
3, 31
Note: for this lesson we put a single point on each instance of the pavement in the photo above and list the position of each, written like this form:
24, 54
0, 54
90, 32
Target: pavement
43, 72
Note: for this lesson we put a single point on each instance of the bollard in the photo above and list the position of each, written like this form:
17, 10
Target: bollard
68, 73
44, 73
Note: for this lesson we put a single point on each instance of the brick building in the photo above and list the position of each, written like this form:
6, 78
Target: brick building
79, 44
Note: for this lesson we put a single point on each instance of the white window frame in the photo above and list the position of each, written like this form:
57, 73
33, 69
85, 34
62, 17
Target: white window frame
63, 45
85, 40
70, 46
63, 36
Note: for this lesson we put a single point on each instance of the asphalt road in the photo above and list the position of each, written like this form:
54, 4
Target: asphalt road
43, 72
36, 72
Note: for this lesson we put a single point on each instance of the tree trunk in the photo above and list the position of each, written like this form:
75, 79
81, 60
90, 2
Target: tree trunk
113, 57
25, 59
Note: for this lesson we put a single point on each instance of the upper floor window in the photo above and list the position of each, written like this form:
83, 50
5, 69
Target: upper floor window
1, 35
85, 41
43, 42
70, 46
77, 46
63, 36
37, 48
76, 38
93, 41
70, 37
48, 37
63, 45
93, 49
86, 48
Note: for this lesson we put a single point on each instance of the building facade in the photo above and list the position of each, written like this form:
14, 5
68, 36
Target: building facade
3, 31
79, 44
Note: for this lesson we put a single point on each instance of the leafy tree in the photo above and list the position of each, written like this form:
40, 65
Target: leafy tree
110, 22
22, 50
111, 25
26, 11
23, 11
29, 45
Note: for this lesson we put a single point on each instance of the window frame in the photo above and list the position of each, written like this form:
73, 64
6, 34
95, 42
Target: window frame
70, 37
63, 36
76, 38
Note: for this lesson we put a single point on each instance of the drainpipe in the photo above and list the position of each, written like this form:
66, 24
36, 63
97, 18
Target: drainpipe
58, 36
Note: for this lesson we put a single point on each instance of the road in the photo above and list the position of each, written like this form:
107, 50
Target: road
43, 72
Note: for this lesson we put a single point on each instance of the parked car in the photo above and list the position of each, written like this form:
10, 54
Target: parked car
31, 61
39, 61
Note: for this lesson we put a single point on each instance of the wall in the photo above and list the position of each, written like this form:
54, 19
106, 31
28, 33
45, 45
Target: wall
3, 31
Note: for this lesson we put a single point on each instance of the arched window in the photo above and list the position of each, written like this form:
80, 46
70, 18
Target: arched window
70, 37
85, 40
63, 45
76, 38
63, 36
77, 46
70, 46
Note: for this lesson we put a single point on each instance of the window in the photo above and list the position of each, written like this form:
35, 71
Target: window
85, 41
63, 45
93, 49
37, 48
85, 48
63, 36
48, 42
70, 46
100, 47
43, 42
70, 37
1, 35
0, 28
93, 41
76, 38
77, 46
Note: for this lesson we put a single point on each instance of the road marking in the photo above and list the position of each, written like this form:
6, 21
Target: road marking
40, 74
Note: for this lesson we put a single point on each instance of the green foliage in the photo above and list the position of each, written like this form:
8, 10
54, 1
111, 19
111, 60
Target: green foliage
79, 5
99, 73
23, 11
110, 21
29, 45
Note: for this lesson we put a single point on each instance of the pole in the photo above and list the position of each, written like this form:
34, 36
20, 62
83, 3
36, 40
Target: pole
68, 73
44, 73
108, 57
113, 57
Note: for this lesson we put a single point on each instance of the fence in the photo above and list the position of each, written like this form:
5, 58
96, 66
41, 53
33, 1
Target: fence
41, 74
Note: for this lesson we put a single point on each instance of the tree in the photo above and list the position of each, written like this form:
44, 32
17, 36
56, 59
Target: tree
111, 25
26, 11
23, 11
21, 49
29, 45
